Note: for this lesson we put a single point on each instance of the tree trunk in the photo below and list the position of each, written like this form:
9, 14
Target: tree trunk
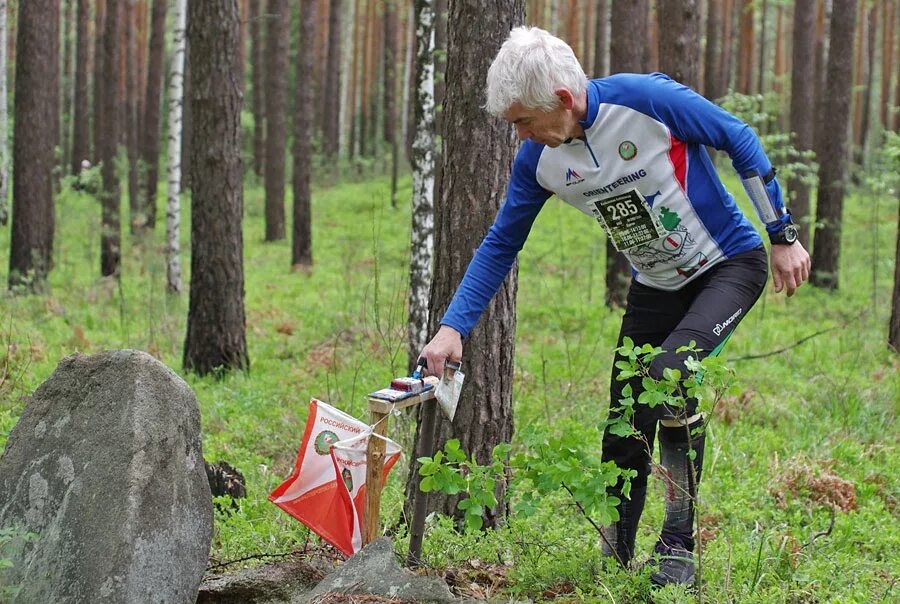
440, 79
802, 98
333, 82
601, 39
31, 241
712, 54
277, 46
99, 76
894, 328
679, 40
868, 82
80, 138
887, 62
834, 155
68, 18
727, 55
173, 193
761, 66
136, 207
422, 230
625, 55
475, 179
151, 127
257, 98
823, 17
745, 47
186, 110
4, 121
216, 340
303, 116
110, 230
389, 90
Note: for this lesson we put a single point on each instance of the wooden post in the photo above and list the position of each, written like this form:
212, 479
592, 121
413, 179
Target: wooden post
374, 475
379, 410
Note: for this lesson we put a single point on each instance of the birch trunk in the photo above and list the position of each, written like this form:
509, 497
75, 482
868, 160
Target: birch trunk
176, 103
422, 233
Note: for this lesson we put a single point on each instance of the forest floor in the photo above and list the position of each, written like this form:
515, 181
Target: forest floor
799, 498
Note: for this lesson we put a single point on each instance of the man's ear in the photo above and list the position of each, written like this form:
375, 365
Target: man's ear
566, 98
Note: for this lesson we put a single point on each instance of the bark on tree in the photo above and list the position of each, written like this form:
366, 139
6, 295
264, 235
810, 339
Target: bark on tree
110, 229
440, 79
333, 82
99, 76
625, 55
422, 230
865, 101
277, 46
601, 39
389, 90
711, 58
4, 127
894, 328
67, 83
887, 62
216, 339
257, 98
679, 40
303, 116
727, 54
80, 134
475, 179
31, 241
745, 46
802, 98
176, 132
761, 65
135, 205
151, 127
833, 158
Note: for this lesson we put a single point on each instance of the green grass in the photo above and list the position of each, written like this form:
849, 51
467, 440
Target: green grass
823, 409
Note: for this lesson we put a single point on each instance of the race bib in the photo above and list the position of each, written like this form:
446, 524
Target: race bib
627, 219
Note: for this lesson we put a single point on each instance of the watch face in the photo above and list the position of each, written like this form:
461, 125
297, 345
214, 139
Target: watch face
790, 233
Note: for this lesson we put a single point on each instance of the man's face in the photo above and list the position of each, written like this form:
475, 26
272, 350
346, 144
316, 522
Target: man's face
550, 128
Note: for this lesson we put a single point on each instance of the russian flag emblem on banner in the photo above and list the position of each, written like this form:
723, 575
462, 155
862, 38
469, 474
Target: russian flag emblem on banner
327, 489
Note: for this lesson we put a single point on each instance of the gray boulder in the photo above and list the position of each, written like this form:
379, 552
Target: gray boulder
375, 571
105, 470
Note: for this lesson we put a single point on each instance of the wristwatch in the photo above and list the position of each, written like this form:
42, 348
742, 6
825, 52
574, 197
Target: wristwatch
787, 235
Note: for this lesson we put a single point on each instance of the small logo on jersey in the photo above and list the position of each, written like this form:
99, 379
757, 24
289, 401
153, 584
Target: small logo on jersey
573, 177
627, 150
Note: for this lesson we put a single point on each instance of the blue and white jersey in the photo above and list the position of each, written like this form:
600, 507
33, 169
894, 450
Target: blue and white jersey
642, 132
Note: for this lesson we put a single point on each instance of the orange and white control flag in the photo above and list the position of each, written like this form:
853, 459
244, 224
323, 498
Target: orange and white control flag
327, 491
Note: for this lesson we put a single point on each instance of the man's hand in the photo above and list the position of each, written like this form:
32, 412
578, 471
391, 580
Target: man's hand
446, 344
790, 267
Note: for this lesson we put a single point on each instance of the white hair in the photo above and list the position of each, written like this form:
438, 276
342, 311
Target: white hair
530, 66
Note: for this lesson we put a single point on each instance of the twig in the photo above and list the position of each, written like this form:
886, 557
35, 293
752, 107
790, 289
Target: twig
593, 524
305, 550
824, 533
785, 348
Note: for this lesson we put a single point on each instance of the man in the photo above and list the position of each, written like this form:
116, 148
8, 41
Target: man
629, 150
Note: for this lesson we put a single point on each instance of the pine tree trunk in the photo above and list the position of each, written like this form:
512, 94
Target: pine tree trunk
31, 241
4, 121
745, 46
422, 230
833, 158
277, 46
173, 192
711, 58
110, 230
869, 83
81, 148
333, 82
761, 66
67, 83
303, 116
679, 40
137, 217
216, 339
887, 61
601, 38
99, 77
475, 179
257, 99
894, 328
727, 54
389, 90
802, 98
151, 126
626, 54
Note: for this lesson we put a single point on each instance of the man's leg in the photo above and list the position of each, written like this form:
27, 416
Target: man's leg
722, 299
650, 316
